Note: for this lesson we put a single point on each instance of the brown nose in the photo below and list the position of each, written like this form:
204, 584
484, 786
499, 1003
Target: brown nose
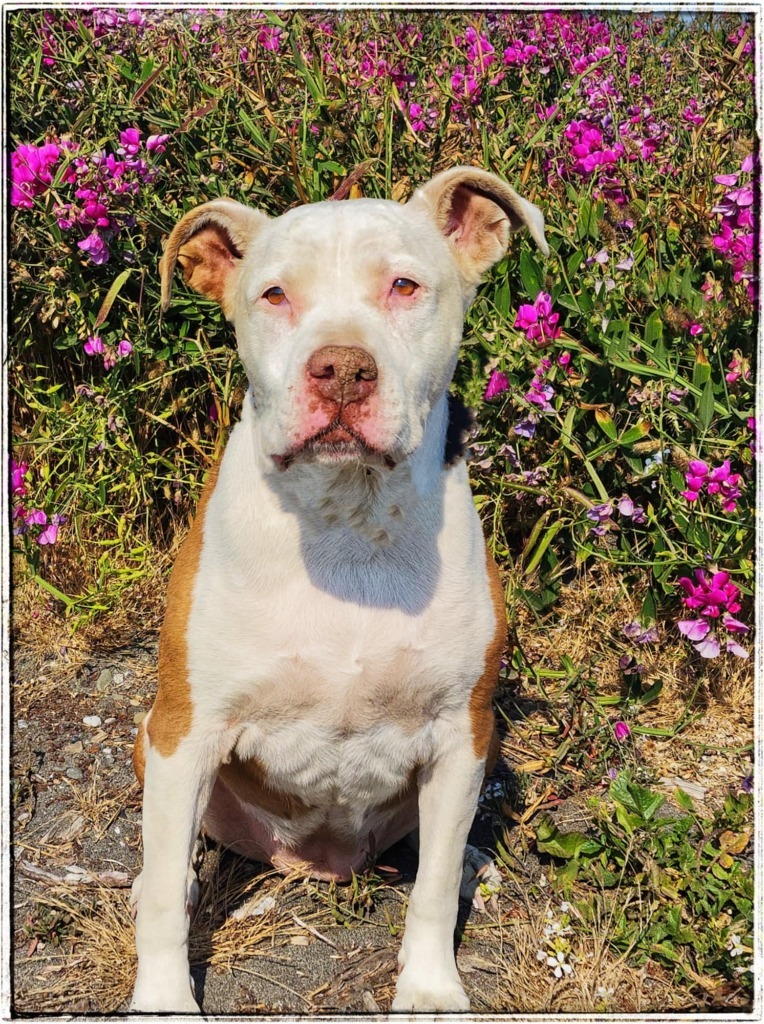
342, 374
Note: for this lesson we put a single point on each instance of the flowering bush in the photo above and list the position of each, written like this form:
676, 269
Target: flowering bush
615, 384
614, 381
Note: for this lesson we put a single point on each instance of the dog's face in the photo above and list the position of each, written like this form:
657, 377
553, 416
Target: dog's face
348, 315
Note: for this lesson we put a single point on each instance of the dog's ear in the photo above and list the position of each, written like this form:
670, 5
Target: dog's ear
476, 211
209, 242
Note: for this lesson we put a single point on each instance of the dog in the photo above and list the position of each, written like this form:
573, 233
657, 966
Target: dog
334, 624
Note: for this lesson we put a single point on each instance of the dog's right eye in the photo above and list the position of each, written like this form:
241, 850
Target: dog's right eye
275, 296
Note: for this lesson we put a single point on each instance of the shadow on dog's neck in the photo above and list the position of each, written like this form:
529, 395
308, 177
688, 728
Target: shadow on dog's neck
369, 533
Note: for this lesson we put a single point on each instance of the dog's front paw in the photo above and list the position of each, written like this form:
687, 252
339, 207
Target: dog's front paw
159, 995
428, 992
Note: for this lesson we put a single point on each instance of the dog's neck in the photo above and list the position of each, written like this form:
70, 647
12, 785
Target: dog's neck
371, 499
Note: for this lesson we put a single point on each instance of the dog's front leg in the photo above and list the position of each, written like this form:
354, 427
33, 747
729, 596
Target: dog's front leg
176, 792
448, 795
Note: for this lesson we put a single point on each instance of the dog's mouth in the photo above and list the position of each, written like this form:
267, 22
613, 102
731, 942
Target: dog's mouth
334, 443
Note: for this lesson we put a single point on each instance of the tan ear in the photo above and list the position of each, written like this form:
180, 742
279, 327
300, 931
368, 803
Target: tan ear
209, 242
476, 211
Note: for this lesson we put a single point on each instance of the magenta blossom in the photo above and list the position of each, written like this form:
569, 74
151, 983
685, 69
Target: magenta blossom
621, 731
717, 601
32, 172
498, 383
124, 349
94, 345
18, 471
538, 321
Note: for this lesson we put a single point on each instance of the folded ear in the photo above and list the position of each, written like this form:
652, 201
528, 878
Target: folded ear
476, 211
209, 243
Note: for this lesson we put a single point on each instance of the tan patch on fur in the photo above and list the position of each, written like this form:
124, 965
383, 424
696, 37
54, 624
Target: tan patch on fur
207, 259
171, 715
139, 753
483, 723
248, 781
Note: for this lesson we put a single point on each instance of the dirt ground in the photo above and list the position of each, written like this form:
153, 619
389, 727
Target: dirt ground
259, 943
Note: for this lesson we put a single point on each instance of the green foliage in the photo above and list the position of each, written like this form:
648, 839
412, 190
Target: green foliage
681, 883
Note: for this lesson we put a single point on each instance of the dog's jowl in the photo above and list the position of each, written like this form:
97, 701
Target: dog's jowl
334, 625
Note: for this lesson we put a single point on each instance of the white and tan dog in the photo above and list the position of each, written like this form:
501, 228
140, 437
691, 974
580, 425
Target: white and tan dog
334, 624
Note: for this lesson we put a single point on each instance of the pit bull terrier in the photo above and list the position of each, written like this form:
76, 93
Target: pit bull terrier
334, 624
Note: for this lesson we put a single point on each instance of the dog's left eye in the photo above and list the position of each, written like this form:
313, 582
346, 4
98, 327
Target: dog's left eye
275, 296
404, 286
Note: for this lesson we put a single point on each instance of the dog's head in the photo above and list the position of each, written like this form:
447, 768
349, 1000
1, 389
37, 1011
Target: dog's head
348, 315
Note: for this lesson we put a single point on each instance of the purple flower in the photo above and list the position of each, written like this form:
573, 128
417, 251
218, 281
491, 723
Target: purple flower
94, 346
496, 385
124, 349
621, 731
95, 247
626, 506
627, 263
36, 517
526, 427
32, 172
694, 629
49, 535
708, 648
599, 513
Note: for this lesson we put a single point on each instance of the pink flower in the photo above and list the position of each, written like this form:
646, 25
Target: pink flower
538, 321
124, 349
695, 330
36, 517
498, 383
94, 346
156, 143
694, 629
18, 472
32, 172
708, 648
131, 141
621, 731
49, 535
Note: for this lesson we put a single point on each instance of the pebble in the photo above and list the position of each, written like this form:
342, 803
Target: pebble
74, 773
119, 678
21, 724
93, 721
105, 679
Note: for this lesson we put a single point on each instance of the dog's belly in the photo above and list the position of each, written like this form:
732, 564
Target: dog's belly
314, 799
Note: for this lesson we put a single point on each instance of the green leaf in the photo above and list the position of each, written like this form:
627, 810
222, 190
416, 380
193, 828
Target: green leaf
566, 845
635, 799
701, 371
531, 274
605, 422
635, 433
111, 295
705, 408
649, 609
684, 800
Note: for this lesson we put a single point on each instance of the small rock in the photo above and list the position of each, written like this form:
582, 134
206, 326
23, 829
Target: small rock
21, 724
138, 717
105, 680
119, 678
92, 721
74, 773
73, 748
